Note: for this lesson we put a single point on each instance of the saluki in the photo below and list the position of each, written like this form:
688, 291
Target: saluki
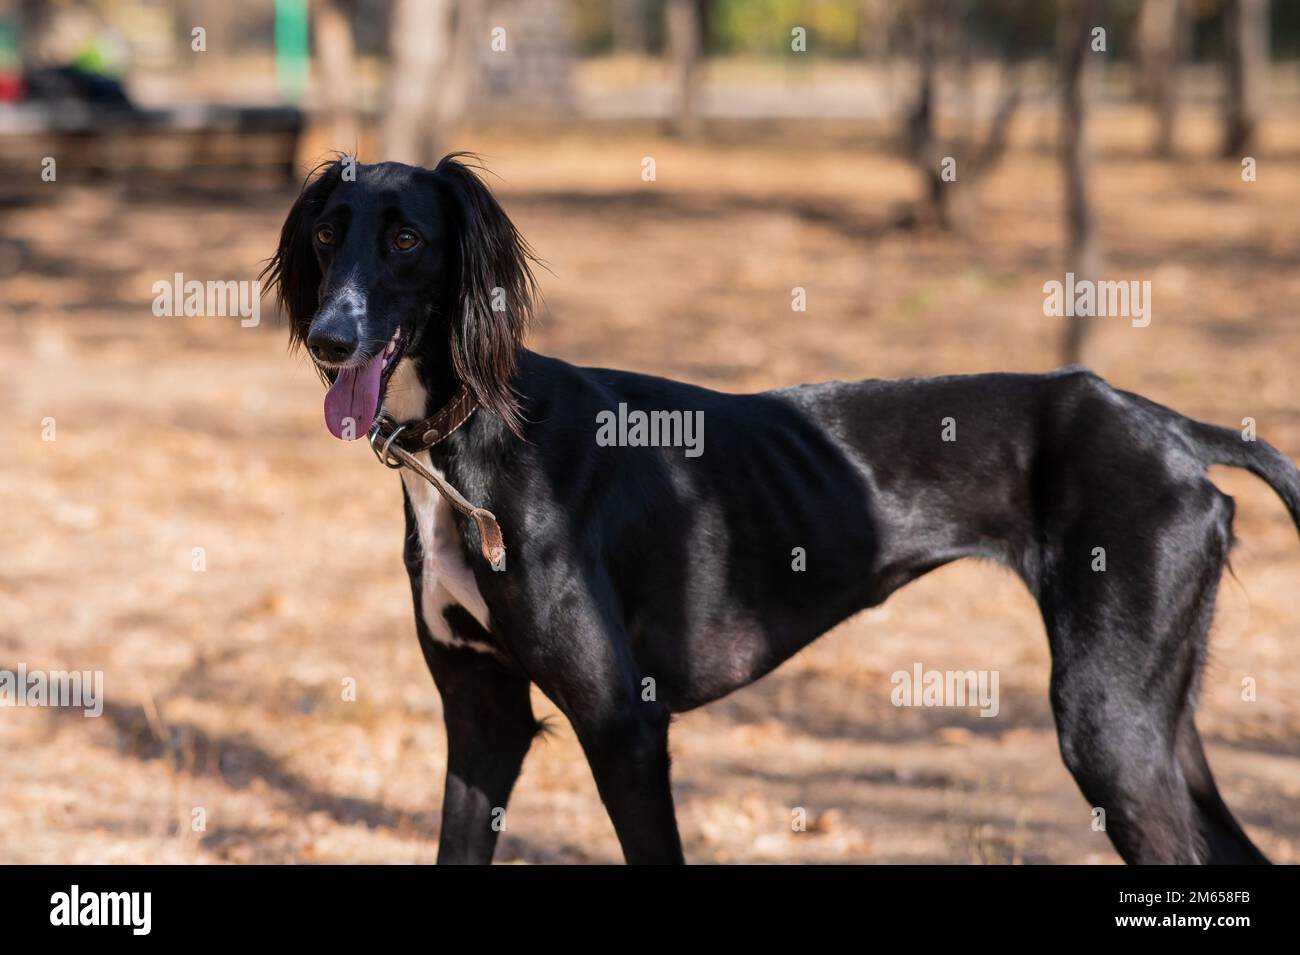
637, 547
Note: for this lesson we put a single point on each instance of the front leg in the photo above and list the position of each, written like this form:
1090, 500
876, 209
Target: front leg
627, 749
490, 726
591, 675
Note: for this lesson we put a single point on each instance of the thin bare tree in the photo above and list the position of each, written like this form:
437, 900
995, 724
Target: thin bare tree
420, 51
1161, 39
335, 56
630, 25
920, 124
875, 28
1083, 254
683, 34
1246, 40
459, 82
934, 29
37, 19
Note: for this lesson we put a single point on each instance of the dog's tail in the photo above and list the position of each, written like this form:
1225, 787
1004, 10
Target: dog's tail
1226, 446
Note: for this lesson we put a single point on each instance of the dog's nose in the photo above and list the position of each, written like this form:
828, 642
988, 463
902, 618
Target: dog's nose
331, 345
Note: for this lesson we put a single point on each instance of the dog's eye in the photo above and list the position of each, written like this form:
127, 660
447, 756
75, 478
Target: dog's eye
325, 235
405, 240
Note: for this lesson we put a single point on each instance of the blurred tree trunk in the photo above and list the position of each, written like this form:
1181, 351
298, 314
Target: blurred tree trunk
629, 25
1160, 41
684, 41
950, 204
1246, 37
878, 41
875, 18
922, 138
1083, 250
420, 49
456, 88
334, 61
36, 20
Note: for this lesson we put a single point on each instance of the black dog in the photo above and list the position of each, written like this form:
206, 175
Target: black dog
645, 580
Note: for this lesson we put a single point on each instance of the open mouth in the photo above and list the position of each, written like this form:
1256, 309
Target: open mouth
353, 399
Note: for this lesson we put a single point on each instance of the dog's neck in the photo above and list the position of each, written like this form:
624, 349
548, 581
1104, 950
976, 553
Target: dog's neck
417, 389
423, 384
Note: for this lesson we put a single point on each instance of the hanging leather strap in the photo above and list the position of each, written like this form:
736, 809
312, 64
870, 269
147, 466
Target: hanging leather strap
397, 444
489, 531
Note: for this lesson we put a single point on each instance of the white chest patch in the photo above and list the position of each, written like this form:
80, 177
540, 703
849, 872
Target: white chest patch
446, 577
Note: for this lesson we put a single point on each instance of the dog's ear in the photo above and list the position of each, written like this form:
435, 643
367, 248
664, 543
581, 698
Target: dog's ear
497, 291
293, 272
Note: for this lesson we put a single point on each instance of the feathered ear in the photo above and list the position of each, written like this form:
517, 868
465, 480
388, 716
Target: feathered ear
497, 291
293, 271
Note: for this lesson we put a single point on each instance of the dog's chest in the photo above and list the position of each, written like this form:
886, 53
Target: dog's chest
445, 576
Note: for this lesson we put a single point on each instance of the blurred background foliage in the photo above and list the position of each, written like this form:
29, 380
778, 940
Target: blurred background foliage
835, 28
844, 28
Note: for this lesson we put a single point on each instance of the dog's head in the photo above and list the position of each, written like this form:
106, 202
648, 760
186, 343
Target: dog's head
380, 262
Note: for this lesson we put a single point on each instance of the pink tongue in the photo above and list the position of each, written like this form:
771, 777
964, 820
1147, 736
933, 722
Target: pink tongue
353, 399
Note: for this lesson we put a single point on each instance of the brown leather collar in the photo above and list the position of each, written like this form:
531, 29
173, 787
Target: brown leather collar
420, 436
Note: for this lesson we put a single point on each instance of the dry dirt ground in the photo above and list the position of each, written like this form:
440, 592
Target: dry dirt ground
224, 686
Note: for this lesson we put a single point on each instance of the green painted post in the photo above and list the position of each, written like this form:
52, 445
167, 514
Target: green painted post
292, 48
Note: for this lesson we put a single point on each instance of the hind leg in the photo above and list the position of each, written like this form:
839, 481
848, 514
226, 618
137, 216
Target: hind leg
1226, 842
1118, 746
1128, 644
